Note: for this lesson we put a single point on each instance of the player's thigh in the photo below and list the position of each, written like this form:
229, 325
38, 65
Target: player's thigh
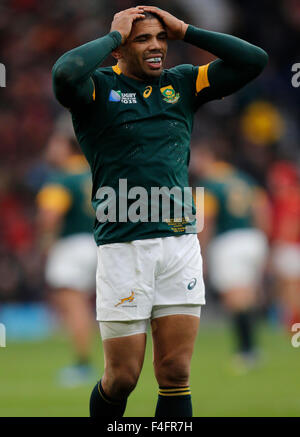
240, 299
72, 302
123, 358
173, 343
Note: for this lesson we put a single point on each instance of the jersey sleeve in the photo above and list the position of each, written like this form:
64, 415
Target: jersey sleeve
215, 81
100, 86
205, 86
238, 62
202, 81
197, 79
73, 83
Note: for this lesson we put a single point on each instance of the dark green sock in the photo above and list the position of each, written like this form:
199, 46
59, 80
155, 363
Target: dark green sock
243, 323
103, 406
174, 402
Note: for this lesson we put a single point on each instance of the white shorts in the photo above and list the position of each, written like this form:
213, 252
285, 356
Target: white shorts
286, 260
134, 277
237, 259
133, 327
72, 263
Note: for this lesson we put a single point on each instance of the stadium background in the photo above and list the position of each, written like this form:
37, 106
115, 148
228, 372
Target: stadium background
261, 124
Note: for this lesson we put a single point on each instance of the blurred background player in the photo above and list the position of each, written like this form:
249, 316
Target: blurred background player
236, 217
284, 187
65, 220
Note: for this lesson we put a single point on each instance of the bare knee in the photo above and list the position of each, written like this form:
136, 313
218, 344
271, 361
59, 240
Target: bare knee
172, 371
119, 382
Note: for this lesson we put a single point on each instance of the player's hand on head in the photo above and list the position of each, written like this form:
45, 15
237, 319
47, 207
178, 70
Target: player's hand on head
175, 28
123, 21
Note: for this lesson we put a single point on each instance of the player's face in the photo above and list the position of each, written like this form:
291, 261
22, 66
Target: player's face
145, 49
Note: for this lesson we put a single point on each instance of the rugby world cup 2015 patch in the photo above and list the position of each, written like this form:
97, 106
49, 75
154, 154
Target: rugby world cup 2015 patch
118, 96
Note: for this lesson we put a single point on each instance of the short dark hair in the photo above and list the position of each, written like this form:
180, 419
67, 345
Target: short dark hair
150, 16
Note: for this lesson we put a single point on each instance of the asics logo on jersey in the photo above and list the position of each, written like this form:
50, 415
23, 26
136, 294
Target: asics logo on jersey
147, 92
192, 284
118, 96
170, 95
126, 299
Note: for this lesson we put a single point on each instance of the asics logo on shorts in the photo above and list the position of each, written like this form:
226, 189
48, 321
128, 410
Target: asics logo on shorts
126, 299
192, 284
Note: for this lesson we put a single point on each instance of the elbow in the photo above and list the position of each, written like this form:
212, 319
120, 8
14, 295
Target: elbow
61, 73
262, 59
259, 61
62, 83
68, 70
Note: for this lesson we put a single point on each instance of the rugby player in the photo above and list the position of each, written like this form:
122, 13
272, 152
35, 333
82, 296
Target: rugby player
134, 122
65, 219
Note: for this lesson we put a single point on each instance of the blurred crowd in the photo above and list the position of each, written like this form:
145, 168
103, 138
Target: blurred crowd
260, 124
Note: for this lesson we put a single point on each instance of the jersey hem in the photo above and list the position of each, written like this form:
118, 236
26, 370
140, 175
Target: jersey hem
142, 237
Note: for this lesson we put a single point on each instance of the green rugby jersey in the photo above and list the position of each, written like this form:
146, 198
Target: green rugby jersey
69, 193
229, 196
139, 131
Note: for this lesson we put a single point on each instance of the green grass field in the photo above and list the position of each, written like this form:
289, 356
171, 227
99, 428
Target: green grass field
28, 388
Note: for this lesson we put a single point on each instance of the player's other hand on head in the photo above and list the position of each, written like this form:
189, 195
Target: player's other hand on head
176, 28
123, 21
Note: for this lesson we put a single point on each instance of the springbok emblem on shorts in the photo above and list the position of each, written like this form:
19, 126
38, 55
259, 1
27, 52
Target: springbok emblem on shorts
126, 299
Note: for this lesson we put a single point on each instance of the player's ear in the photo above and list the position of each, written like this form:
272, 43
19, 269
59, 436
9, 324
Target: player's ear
117, 54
